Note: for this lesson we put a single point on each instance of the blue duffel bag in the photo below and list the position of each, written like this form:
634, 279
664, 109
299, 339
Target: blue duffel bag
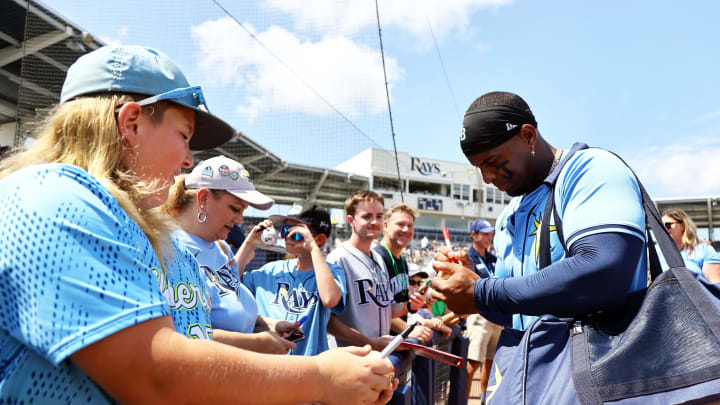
664, 348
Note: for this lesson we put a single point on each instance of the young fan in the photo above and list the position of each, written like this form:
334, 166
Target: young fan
306, 288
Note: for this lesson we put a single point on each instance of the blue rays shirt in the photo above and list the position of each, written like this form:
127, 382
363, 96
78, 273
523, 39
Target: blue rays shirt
595, 193
283, 292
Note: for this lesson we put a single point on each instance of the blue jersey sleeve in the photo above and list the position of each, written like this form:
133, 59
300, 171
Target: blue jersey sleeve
708, 253
597, 193
339, 276
74, 267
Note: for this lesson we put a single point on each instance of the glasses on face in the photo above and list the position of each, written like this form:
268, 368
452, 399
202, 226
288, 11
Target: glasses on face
415, 283
189, 96
669, 225
296, 236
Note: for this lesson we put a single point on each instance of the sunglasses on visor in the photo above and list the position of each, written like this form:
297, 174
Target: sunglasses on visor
188, 96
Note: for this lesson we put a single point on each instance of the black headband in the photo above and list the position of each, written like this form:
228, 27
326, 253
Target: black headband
485, 128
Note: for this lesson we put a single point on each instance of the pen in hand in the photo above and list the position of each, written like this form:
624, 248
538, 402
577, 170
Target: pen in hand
396, 341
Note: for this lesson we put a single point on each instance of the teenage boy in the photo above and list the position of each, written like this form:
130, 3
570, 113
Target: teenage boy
399, 228
369, 307
305, 289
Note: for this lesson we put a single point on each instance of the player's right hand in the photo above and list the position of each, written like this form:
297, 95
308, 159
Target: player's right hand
457, 291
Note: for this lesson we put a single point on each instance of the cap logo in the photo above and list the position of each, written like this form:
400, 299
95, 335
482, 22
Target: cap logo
223, 170
462, 134
246, 175
207, 171
234, 175
509, 126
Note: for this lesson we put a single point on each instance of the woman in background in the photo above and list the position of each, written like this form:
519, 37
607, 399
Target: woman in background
699, 256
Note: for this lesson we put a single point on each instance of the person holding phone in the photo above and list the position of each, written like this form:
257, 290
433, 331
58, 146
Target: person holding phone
305, 290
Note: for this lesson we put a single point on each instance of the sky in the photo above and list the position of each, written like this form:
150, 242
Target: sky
639, 78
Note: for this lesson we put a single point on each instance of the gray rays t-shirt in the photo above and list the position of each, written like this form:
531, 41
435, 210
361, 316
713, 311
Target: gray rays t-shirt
368, 305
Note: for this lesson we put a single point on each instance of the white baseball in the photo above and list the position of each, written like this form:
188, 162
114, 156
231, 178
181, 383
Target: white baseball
268, 236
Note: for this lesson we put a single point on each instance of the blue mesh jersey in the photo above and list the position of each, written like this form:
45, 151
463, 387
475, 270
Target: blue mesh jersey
76, 269
282, 292
185, 291
233, 305
595, 193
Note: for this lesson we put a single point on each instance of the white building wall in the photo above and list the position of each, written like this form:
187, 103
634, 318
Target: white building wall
436, 208
7, 134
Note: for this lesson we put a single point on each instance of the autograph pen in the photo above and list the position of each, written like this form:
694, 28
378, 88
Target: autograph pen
396, 341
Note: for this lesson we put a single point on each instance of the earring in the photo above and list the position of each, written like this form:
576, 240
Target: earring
202, 215
532, 150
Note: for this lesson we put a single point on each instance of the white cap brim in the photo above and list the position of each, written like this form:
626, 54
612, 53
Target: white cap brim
255, 198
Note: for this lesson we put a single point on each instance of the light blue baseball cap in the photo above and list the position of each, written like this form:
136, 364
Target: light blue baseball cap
142, 70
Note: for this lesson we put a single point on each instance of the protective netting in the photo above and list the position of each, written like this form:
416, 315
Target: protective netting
302, 82
302, 89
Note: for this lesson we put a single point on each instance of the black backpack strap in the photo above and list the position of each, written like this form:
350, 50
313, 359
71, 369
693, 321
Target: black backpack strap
551, 180
654, 261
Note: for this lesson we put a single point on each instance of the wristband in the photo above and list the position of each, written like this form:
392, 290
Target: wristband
409, 307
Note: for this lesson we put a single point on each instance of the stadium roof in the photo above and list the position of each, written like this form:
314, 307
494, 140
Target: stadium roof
37, 46
52, 43
287, 182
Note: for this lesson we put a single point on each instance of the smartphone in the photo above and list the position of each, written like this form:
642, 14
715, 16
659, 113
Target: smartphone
423, 289
296, 337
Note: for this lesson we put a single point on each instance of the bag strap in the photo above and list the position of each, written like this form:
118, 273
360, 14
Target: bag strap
551, 180
653, 224
227, 251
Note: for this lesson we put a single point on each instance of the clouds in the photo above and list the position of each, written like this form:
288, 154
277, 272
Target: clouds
409, 16
118, 38
329, 57
345, 74
688, 169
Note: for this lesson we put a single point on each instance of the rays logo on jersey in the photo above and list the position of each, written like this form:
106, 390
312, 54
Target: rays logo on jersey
296, 301
536, 245
223, 278
380, 297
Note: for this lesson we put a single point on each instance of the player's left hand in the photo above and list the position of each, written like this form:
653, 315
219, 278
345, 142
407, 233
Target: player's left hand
448, 255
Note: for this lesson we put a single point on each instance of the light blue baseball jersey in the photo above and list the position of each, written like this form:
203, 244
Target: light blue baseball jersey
233, 305
185, 291
595, 193
703, 253
282, 292
75, 269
